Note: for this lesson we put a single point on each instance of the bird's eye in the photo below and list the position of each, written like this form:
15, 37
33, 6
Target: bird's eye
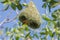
22, 18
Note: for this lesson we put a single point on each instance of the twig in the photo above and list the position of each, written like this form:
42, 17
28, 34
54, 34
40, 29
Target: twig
2, 22
7, 20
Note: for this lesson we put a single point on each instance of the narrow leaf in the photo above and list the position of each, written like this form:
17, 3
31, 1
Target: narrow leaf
13, 6
19, 6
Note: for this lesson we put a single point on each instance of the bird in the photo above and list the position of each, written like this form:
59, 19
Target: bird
30, 16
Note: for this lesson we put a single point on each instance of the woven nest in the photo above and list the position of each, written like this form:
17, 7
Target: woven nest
30, 16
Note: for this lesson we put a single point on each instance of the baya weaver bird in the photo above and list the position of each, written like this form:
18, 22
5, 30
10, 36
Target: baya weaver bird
30, 16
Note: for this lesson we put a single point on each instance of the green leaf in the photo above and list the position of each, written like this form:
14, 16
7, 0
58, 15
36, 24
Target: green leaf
26, 29
46, 0
19, 6
53, 3
24, 26
20, 29
58, 23
56, 14
49, 8
17, 38
24, 4
13, 6
36, 35
27, 35
8, 33
14, 30
11, 36
17, 1
44, 5
50, 33
46, 18
42, 33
